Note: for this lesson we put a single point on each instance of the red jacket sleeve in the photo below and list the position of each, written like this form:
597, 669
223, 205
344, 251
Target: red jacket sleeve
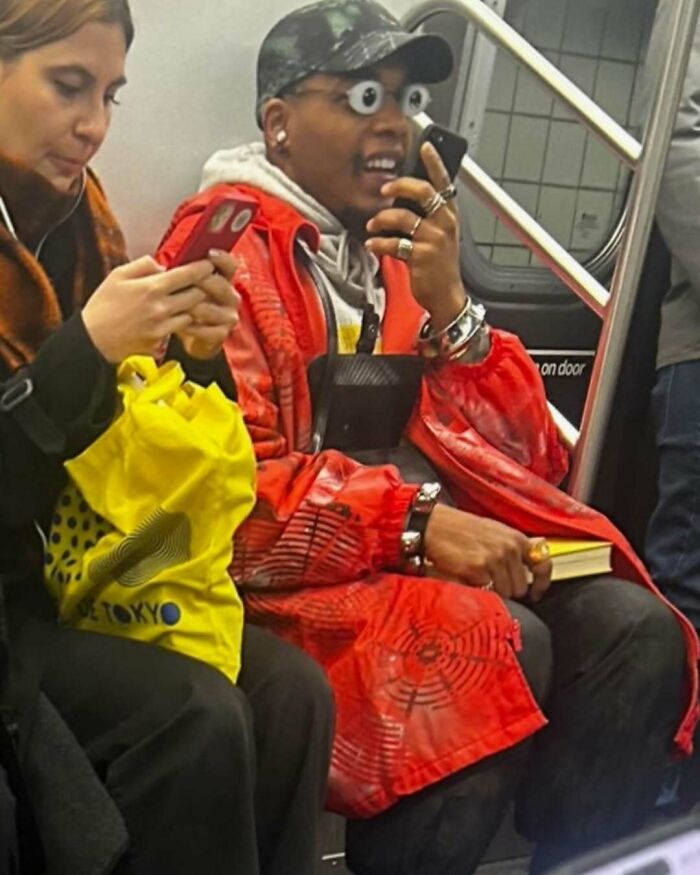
502, 399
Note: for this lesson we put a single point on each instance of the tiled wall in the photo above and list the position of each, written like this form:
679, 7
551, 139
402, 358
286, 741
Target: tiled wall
529, 142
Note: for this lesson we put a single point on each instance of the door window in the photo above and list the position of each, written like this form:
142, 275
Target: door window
528, 141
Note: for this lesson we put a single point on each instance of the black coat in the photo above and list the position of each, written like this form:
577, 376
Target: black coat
50, 411
72, 399
64, 399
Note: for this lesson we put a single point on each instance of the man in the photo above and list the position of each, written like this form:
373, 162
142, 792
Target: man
340, 291
673, 536
673, 543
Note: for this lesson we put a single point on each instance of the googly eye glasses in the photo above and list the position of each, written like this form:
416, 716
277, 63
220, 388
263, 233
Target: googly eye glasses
368, 97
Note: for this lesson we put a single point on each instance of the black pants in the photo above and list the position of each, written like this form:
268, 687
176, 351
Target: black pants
673, 536
9, 853
211, 778
607, 661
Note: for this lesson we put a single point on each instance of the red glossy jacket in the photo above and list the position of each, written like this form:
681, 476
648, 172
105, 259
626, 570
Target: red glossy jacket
423, 671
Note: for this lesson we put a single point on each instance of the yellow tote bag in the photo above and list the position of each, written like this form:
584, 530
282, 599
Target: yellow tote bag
141, 539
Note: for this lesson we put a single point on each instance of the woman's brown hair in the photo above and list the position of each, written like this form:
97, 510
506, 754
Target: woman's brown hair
29, 24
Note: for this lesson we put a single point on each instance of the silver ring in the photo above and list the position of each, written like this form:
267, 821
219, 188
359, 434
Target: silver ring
488, 587
415, 227
405, 249
436, 202
449, 193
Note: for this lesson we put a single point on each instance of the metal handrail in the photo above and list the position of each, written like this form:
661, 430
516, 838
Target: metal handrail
521, 223
628, 271
615, 308
553, 255
543, 245
589, 113
568, 433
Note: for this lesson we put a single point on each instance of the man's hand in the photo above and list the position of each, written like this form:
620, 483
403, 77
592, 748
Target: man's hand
434, 261
478, 551
215, 316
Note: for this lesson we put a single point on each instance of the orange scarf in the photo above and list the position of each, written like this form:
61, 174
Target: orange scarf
29, 306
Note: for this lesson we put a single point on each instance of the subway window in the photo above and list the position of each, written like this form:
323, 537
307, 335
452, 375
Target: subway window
528, 141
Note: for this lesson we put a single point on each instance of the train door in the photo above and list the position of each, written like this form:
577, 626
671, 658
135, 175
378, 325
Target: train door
560, 173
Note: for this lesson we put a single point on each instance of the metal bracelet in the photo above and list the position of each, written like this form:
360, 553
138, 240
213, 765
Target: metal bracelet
413, 536
426, 498
476, 349
453, 341
411, 544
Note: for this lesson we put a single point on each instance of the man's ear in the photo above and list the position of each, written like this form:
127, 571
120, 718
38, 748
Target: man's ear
275, 118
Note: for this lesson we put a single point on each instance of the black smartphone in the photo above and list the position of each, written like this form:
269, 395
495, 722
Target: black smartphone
450, 147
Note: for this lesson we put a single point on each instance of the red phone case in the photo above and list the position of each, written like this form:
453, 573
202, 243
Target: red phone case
219, 227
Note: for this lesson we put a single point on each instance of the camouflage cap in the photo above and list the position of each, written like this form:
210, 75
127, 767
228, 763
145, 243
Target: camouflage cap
340, 36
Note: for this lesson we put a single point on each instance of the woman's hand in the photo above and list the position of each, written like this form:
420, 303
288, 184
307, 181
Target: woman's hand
140, 305
434, 261
215, 316
482, 552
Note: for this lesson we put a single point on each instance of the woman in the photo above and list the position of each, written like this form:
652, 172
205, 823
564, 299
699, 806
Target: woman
206, 775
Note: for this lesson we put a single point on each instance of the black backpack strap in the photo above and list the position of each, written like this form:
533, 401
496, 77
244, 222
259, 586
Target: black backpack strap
17, 400
322, 400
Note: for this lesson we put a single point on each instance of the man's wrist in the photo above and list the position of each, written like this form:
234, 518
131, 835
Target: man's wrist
449, 308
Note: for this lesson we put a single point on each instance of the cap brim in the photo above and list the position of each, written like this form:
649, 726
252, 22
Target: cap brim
428, 57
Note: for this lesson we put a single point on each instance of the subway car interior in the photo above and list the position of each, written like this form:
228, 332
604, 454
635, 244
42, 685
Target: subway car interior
525, 138
548, 95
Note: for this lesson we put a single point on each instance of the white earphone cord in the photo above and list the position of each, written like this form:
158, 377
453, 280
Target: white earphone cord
6, 218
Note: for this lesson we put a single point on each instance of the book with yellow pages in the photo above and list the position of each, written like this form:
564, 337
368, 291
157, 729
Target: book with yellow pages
578, 558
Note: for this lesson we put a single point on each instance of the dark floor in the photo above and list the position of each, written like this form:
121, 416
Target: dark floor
507, 855
505, 867
501, 867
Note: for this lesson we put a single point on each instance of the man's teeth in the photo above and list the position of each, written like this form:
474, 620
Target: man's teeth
387, 164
